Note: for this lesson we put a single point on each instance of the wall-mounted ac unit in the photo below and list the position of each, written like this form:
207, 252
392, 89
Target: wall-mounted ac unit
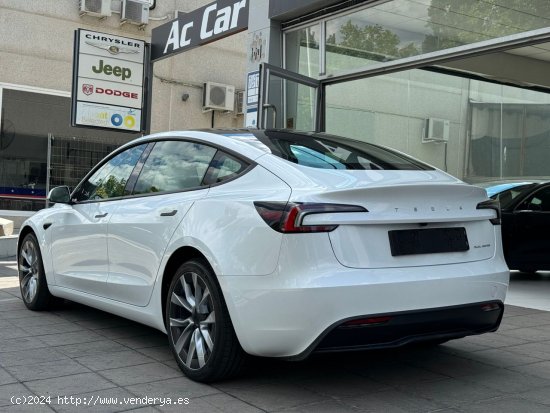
217, 96
135, 12
96, 8
239, 102
437, 130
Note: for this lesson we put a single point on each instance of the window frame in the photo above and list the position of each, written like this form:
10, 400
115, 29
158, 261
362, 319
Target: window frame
101, 165
520, 207
132, 180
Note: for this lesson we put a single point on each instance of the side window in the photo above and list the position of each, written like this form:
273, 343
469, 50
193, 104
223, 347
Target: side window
540, 201
224, 167
110, 180
174, 166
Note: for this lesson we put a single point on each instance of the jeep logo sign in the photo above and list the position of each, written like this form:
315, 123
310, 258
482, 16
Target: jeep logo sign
117, 71
207, 24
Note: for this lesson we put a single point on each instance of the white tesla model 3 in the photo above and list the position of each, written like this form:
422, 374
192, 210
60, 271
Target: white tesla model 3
270, 243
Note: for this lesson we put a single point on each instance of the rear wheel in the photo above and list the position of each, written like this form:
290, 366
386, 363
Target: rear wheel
32, 280
200, 332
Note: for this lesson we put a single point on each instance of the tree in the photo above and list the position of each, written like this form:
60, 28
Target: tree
468, 21
375, 41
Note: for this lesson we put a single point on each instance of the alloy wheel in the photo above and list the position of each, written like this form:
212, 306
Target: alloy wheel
29, 268
192, 320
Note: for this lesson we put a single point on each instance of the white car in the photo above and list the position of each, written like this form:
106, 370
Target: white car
270, 243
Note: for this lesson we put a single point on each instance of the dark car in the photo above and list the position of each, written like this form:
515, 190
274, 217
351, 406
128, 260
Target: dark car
525, 223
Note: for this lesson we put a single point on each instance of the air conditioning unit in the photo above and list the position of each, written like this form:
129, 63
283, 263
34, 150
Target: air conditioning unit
217, 96
135, 12
96, 8
239, 102
436, 130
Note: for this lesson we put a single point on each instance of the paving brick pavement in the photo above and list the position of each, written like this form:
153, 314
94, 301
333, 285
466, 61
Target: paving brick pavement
94, 356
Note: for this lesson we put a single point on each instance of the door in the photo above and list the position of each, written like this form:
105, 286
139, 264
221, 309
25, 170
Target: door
529, 246
170, 181
79, 231
289, 100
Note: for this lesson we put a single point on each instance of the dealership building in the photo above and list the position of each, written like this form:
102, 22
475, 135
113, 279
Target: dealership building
462, 85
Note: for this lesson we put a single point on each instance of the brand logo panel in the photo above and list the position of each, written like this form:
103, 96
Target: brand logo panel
110, 46
110, 93
113, 70
106, 116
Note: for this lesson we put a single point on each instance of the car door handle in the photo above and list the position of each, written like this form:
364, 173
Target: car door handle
169, 213
102, 215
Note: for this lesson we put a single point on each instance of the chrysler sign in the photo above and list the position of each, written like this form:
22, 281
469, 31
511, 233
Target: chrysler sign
207, 24
108, 81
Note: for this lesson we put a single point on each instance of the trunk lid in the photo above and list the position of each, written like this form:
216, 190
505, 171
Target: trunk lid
396, 200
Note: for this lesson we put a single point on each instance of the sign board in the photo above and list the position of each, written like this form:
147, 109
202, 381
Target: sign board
212, 22
108, 82
252, 98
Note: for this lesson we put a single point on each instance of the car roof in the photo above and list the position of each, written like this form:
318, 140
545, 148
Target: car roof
241, 141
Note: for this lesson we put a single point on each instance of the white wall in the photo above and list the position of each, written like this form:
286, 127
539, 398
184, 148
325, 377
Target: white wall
36, 46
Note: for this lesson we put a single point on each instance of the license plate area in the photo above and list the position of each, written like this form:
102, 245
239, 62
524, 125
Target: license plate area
428, 241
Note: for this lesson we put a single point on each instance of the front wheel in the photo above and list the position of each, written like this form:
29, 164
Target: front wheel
200, 332
32, 279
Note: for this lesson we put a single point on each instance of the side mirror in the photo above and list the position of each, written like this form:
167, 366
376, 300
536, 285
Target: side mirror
60, 195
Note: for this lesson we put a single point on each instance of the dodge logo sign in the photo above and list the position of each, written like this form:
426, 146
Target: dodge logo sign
87, 89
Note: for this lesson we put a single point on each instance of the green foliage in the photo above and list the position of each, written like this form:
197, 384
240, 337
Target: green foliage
380, 43
469, 21
113, 187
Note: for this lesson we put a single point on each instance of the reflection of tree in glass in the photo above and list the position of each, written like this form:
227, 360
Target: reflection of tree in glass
468, 21
381, 44
307, 39
112, 188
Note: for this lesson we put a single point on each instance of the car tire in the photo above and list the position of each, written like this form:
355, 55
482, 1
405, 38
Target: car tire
200, 332
32, 279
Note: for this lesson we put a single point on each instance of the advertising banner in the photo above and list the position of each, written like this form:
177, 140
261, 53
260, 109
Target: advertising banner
107, 116
108, 81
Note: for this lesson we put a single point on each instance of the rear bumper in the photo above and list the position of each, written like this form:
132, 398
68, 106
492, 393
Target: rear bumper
288, 313
398, 329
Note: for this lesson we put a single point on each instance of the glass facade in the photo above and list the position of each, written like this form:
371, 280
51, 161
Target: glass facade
35, 134
491, 131
302, 51
402, 28
495, 131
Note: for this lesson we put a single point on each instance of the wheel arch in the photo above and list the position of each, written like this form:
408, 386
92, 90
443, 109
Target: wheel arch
27, 229
178, 257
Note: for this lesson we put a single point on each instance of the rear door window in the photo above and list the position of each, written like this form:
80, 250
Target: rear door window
174, 166
223, 168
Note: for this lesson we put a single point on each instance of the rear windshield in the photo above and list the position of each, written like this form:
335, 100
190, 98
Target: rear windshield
332, 152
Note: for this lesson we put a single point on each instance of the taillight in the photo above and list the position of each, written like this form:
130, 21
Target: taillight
495, 206
288, 217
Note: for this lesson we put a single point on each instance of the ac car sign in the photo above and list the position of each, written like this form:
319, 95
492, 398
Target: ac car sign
204, 25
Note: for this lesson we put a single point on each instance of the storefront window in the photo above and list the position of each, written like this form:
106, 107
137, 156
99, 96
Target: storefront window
35, 133
510, 132
494, 131
403, 28
302, 51
23, 152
